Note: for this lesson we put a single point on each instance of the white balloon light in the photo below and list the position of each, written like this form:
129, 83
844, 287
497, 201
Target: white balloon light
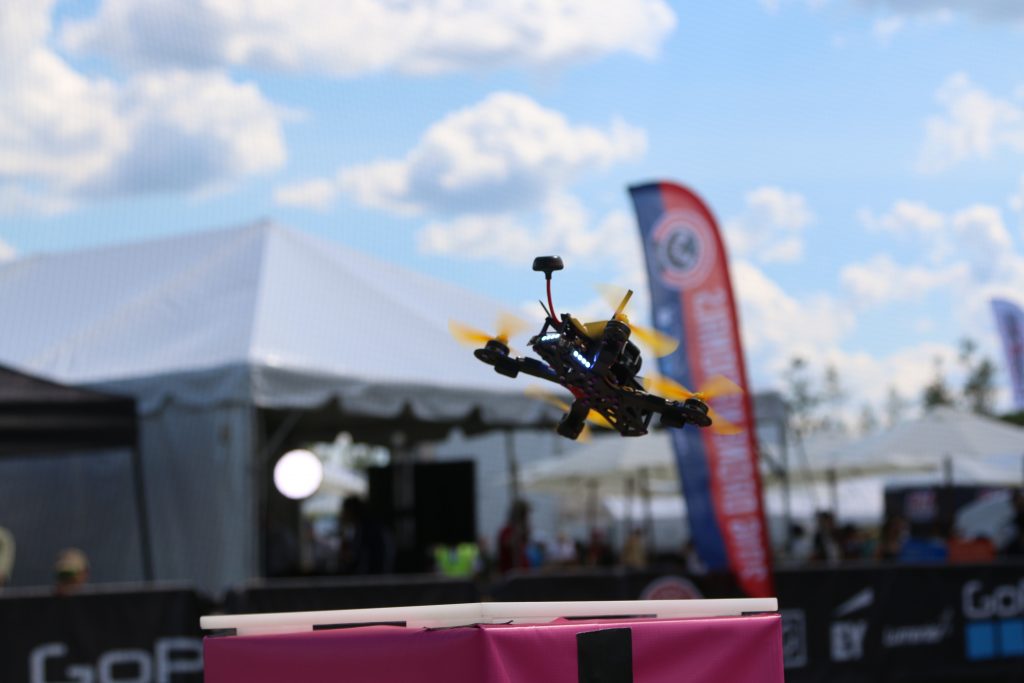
298, 474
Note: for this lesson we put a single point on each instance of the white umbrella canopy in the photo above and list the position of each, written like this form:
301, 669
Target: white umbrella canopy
607, 462
979, 448
831, 457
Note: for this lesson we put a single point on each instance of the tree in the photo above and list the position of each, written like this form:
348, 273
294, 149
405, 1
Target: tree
868, 421
936, 392
833, 398
979, 388
800, 396
895, 406
814, 406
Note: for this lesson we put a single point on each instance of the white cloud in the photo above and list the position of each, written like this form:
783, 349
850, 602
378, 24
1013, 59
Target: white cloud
779, 325
364, 36
881, 280
17, 199
7, 252
987, 10
1016, 201
964, 249
65, 135
885, 29
504, 153
773, 6
868, 377
771, 226
914, 222
312, 194
563, 226
975, 124
982, 239
905, 218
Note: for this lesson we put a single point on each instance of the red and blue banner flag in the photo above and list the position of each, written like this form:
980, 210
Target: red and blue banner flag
692, 300
1010, 321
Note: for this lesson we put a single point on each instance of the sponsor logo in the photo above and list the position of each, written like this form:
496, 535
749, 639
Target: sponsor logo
1003, 601
995, 627
794, 638
860, 600
846, 637
682, 244
170, 656
919, 634
671, 588
921, 505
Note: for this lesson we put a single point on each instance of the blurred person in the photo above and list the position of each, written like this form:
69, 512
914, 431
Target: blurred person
71, 571
852, 543
971, 550
457, 561
536, 554
1016, 545
691, 559
6, 555
634, 550
800, 543
563, 551
892, 538
599, 553
825, 546
366, 547
929, 547
514, 538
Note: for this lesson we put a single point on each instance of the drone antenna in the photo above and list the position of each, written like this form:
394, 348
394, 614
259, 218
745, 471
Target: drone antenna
546, 311
550, 304
549, 264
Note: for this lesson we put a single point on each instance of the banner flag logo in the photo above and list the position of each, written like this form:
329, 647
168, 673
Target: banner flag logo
1010, 321
692, 300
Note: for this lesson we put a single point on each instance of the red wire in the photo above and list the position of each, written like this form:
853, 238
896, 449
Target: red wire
551, 306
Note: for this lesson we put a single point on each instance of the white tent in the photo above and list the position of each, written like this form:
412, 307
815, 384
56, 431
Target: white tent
610, 461
232, 341
978, 446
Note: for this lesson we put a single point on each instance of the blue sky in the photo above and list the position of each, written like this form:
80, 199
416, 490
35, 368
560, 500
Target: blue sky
865, 158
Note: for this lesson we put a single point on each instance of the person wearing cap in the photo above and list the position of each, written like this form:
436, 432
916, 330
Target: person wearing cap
71, 570
6, 555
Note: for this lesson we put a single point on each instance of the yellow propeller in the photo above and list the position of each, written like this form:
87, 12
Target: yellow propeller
718, 385
659, 343
508, 326
593, 417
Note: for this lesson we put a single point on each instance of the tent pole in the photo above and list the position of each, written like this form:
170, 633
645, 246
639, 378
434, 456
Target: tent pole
265, 447
591, 506
628, 518
513, 465
787, 503
833, 486
645, 491
142, 511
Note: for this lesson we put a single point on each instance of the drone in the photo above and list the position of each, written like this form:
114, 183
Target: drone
598, 363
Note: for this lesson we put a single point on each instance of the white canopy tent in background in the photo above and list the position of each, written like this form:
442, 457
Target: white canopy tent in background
209, 331
974, 445
827, 471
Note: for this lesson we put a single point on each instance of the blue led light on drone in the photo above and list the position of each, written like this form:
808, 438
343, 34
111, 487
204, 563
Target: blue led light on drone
551, 336
581, 358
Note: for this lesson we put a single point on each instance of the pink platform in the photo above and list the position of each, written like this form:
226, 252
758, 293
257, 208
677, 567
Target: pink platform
711, 650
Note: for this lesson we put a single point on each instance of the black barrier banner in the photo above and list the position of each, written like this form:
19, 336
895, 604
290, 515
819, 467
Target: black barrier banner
904, 623
303, 595
102, 637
